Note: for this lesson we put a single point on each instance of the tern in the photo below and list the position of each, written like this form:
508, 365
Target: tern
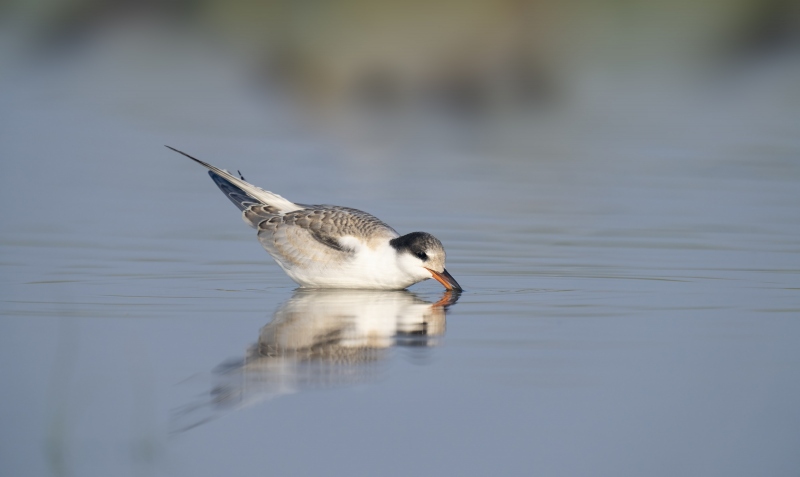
328, 246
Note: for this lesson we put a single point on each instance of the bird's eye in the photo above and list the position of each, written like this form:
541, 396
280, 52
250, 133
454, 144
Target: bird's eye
421, 256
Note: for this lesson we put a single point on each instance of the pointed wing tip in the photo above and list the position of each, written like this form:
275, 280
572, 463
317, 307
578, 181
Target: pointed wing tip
179, 152
209, 166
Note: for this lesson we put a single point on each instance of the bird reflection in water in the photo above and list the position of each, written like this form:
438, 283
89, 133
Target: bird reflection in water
321, 338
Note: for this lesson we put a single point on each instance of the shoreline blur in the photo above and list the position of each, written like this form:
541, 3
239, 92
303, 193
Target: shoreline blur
462, 59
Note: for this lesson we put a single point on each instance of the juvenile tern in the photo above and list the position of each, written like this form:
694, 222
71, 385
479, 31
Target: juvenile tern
328, 246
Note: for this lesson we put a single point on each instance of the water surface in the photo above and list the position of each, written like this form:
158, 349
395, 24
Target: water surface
632, 296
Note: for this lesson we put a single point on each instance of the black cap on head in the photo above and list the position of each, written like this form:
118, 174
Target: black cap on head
417, 243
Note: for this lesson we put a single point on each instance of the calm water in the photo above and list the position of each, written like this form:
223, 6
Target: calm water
632, 302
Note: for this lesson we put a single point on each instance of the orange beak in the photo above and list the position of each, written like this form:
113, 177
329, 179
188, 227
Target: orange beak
445, 279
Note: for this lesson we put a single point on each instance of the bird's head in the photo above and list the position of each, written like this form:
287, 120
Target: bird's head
422, 255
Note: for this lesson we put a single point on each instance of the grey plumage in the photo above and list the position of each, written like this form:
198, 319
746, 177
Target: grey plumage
290, 237
324, 224
239, 197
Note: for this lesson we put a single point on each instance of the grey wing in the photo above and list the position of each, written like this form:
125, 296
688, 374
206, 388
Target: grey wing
239, 197
241, 192
256, 213
314, 235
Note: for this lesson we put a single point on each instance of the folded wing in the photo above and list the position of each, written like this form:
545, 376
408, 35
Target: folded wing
319, 235
242, 193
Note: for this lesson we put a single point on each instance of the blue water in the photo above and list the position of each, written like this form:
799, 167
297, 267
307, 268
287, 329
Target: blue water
632, 302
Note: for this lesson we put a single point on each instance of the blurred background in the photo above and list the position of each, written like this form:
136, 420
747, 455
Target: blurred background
504, 75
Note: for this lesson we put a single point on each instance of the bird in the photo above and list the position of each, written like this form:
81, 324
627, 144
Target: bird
330, 246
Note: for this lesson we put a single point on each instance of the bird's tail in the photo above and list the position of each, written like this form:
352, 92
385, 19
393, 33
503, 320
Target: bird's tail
235, 194
242, 193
